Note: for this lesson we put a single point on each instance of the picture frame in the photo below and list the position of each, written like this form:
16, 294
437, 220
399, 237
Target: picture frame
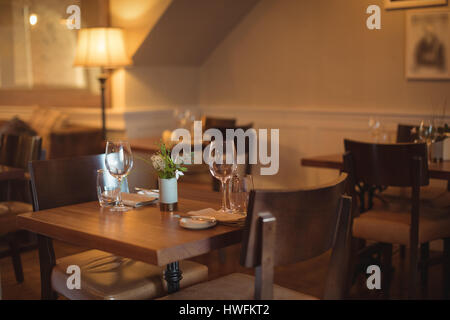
400, 4
427, 47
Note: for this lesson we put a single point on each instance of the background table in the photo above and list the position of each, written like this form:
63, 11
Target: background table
437, 170
144, 234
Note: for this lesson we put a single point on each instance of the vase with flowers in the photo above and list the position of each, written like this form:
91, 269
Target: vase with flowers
169, 170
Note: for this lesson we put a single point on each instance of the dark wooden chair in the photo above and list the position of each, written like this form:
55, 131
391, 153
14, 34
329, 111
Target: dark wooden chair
16, 151
218, 123
285, 227
142, 175
104, 276
405, 223
407, 133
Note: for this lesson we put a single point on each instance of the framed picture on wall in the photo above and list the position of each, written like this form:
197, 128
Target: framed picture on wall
427, 44
398, 4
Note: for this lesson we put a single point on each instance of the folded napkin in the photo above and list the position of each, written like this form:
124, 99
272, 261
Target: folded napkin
230, 219
136, 200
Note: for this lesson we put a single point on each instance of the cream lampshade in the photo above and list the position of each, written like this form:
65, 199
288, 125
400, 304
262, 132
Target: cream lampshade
101, 47
105, 48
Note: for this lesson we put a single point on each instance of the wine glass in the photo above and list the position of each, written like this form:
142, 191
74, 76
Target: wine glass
222, 165
428, 134
118, 161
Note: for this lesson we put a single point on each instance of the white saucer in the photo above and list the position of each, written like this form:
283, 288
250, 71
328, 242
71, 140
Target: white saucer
189, 223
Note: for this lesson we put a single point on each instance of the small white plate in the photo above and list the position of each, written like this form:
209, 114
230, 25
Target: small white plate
189, 223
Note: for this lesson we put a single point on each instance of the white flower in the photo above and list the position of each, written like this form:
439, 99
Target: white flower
158, 162
178, 174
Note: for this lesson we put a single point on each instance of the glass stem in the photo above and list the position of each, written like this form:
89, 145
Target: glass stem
119, 194
224, 196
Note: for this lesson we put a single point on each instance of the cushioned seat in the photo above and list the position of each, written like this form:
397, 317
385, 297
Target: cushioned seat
106, 276
8, 212
236, 286
435, 195
390, 223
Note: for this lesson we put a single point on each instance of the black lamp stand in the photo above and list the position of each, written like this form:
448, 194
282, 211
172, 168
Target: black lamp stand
102, 78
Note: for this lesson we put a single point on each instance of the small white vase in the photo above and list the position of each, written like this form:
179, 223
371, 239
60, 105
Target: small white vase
168, 194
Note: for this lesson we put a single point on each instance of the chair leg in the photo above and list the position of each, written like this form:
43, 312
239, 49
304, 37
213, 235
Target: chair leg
413, 266
13, 242
386, 268
446, 268
424, 256
402, 252
355, 246
47, 262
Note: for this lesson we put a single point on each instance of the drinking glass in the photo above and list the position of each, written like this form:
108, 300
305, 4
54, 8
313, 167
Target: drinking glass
118, 161
240, 187
428, 134
222, 165
107, 188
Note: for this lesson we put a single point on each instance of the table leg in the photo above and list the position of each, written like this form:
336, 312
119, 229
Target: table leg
173, 277
47, 262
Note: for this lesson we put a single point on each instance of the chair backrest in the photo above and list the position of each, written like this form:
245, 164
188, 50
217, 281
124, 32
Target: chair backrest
218, 123
387, 164
284, 227
64, 182
18, 150
406, 133
142, 175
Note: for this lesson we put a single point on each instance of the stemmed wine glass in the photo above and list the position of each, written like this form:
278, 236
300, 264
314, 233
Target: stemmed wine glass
428, 134
118, 161
222, 165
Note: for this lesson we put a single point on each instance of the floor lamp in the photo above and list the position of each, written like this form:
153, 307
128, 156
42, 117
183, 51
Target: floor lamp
104, 48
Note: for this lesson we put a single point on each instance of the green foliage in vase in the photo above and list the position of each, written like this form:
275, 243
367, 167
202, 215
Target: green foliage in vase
165, 166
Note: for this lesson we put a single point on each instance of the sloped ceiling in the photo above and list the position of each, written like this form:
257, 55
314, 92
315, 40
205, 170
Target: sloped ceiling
189, 30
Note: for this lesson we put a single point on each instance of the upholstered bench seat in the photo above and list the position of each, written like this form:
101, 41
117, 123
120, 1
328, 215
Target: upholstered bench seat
236, 286
105, 276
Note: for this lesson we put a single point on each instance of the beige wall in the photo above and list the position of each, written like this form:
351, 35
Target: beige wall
316, 54
140, 85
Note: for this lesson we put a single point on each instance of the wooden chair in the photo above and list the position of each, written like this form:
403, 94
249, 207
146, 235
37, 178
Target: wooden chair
142, 175
407, 133
435, 196
218, 123
405, 223
284, 227
16, 151
103, 276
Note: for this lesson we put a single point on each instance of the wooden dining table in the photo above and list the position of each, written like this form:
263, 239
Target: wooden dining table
145, 234
437, 170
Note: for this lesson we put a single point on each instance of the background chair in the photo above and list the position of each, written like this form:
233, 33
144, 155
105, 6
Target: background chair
404, 222
284, 227
104, 276
16, 151
407, 133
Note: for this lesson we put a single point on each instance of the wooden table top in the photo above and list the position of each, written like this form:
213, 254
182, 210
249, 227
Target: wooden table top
10, 173
437, 170
144, 234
